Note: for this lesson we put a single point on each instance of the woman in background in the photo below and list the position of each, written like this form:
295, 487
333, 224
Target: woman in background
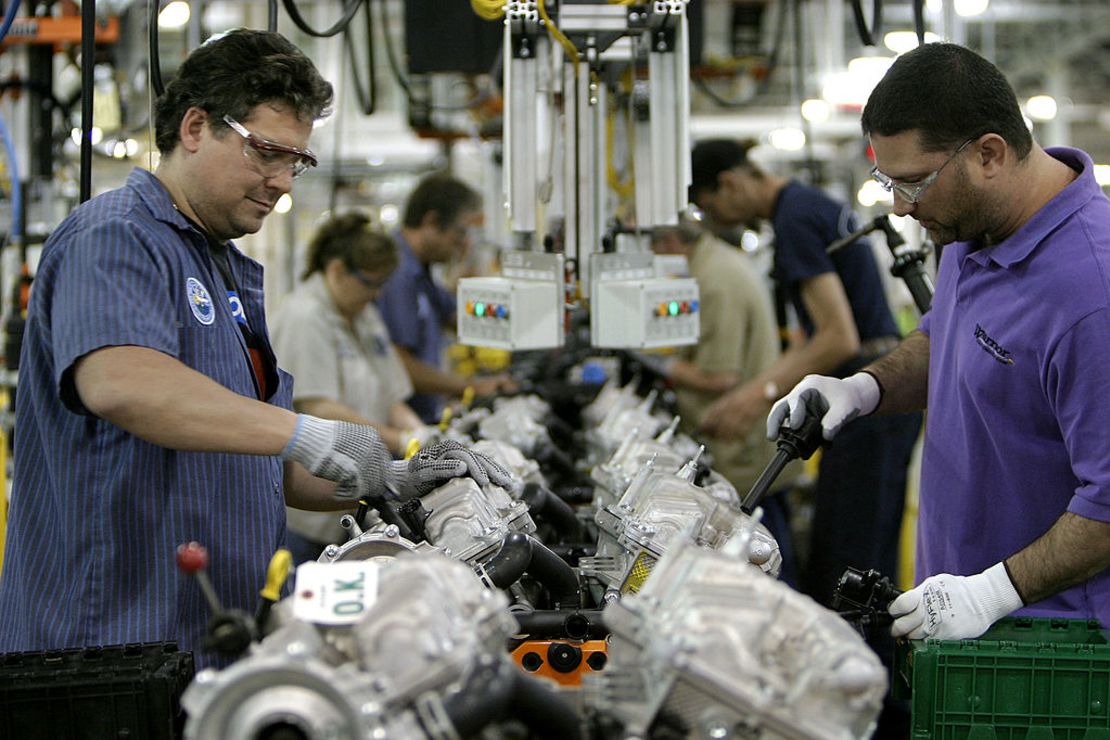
329, 335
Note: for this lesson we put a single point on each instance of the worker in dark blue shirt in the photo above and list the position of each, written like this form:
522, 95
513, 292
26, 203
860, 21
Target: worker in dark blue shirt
151, 409
437, 226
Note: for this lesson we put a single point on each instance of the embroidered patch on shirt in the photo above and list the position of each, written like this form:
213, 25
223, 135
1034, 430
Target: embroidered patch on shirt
200, 302
993, 348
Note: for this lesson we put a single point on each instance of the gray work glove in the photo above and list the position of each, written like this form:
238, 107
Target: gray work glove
352, 455
433, 466
842, 399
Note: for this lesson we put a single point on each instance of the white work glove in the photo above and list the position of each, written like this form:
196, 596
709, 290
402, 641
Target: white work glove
947, 607
841, 400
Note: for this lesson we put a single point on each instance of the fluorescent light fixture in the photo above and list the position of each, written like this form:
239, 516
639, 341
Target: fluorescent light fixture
852, 88
284, 203
1041, 107
969, 8
174, 15
787, 139
816, 110
902, 41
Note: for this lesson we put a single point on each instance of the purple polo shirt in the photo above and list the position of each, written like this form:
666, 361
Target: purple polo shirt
1018, 429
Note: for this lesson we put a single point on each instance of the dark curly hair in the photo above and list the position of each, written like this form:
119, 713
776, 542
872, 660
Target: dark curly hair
352, 238
949, 94
232, 74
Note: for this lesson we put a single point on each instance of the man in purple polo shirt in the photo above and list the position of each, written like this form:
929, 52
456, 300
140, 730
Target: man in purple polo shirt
1011, 360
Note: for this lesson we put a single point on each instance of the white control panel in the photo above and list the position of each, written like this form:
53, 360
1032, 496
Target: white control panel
510, 313
645, 313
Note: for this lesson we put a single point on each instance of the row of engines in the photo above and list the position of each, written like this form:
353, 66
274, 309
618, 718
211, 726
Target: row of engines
621, 566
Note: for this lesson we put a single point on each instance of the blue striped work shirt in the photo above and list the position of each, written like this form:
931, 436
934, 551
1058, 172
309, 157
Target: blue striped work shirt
96, 513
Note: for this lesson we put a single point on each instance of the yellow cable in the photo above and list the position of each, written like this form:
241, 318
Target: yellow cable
568, 47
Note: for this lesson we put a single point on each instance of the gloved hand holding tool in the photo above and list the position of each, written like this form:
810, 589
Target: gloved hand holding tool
841, 400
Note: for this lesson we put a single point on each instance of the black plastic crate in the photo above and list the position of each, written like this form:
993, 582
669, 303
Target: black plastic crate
107, 693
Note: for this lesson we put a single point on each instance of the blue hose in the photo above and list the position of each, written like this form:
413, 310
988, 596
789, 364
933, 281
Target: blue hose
9, 16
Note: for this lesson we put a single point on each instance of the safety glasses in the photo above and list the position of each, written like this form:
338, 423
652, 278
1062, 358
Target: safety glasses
912, 192
269, 158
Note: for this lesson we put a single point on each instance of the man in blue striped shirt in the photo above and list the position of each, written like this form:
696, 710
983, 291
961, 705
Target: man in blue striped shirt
151, 410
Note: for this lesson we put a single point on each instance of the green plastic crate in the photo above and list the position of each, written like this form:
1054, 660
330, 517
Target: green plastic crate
1025, 679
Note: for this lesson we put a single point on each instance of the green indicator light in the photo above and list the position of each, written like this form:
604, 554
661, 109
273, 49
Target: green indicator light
479, 309
672, 308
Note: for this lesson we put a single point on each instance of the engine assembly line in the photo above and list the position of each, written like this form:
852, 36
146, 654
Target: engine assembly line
554, 369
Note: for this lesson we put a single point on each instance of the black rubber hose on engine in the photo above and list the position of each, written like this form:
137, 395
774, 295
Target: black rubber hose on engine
547, 507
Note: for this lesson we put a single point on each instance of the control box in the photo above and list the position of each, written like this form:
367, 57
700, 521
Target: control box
522, 309
508, 313
631, 308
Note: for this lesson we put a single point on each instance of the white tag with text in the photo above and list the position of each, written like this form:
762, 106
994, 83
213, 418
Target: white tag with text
335, 593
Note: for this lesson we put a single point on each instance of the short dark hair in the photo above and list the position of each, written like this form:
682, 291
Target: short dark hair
352, 238
440, 193
949, 94
231, 74
711, 157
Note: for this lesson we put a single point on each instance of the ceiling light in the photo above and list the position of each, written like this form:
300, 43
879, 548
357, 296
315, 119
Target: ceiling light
815, 110
1041, 107
968, 8
902, 41
787, 139
389, 214
853, 87
284, 203
174, 15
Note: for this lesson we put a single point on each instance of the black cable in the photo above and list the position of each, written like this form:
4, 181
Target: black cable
156, 82
776, 46
88, 66
402, 81
391, 54
271, 16
919, 20
867, 35
367, 99
348, 13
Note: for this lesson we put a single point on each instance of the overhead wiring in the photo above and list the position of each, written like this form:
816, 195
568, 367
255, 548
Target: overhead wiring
558, 35
349, 11
367, 98
867, 34
9, 17
156, 81
399, 75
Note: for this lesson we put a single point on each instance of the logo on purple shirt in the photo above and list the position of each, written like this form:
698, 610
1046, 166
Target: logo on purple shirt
993, 348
